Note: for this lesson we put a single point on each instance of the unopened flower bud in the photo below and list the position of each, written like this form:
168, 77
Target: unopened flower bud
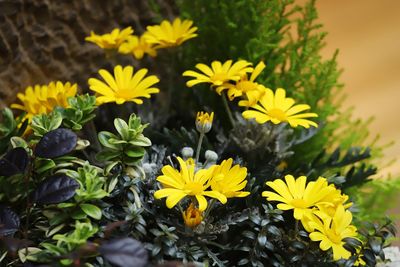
192, 216
204, 121
187, 152
211, 156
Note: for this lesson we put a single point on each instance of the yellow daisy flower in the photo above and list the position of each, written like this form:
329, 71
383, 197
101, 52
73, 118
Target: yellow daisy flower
245, 86
186, 182
229, 180
170, 35
204, 121
331, 232
278, 108
125, 86
42, 99
219, 73
137, 46
296, 195
110, 40
331, 202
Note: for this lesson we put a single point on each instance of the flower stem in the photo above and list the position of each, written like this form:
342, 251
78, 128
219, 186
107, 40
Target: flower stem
228, 110
199, 147
207, 212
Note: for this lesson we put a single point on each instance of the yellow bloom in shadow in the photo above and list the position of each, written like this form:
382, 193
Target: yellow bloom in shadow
219, 73
110, 40
42, 99
124, 86
330, 232
229, 180
137, 46
170, 35
246, 86
278, 108
186, 182
192, 216
296, 195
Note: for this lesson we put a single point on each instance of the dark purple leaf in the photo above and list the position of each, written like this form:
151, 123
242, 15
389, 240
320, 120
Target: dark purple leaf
55, 189
9, 221
14, 162
124, 252
56, 143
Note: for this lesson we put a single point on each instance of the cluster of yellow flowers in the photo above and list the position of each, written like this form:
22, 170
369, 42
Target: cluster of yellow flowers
321, 208
42, 99
262, 103
164, 35
221, 182
125, 85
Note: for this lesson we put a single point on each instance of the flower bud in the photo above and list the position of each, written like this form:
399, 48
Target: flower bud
187, 152
192, 216
204, 121
211, 156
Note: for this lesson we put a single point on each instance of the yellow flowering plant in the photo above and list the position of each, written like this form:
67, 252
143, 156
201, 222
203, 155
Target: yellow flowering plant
134, 169
169, 34
112, 40
124, 86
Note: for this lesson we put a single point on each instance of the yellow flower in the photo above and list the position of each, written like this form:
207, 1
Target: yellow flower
110, 40
245, 86
170, 35
229, 180
125, 86
192, 216
331, 202
277, 108
296, 195
137, 46
219, 73
331, 232
42, 99
204, 121
186, 182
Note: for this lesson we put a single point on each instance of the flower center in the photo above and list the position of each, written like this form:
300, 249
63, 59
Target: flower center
335, 238
277, 114
219, 78
299, 203
194, 188
124, 93
246, 86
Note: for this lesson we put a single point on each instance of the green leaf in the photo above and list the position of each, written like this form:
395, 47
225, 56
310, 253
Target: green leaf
104, 138
107, 155
42, 165
141, 140
135, 152
122, 128
91, 210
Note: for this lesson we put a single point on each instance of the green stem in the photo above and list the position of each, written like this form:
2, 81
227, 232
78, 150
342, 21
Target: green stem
199, 147
212, 202
228, 110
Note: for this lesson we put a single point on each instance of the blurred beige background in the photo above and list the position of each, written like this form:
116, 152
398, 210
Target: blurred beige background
367, 33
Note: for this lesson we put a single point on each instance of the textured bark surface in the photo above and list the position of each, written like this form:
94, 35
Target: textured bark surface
43, 40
